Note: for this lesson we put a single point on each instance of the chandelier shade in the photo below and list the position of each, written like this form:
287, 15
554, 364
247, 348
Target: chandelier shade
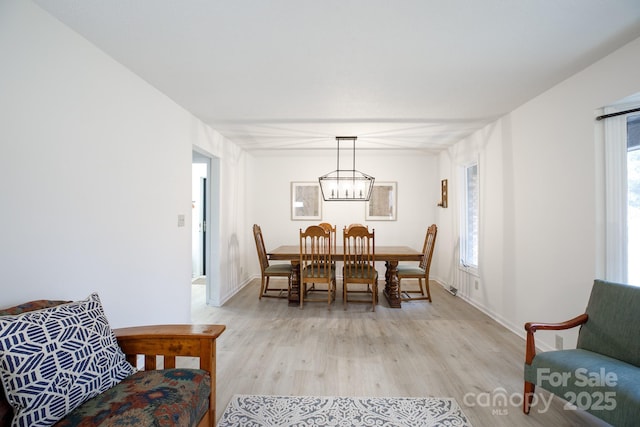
346, 184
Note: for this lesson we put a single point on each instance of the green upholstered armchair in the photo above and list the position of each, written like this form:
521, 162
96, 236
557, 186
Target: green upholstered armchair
601, 375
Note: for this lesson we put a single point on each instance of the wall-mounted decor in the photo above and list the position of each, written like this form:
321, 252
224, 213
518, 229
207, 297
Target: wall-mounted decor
306, 201
444, 194
383, 203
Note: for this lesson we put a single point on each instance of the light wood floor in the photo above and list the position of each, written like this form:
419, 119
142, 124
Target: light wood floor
443, 349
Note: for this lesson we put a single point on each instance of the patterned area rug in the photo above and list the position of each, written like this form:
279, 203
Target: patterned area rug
252, 410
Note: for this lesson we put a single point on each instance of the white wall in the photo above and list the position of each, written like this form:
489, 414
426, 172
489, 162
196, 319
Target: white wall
270, 177
95, 168
541, 204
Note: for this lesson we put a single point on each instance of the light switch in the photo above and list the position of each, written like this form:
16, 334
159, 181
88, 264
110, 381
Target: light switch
180, 220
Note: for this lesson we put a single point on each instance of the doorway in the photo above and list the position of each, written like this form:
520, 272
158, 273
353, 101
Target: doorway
199, 174
205, 227
200, 208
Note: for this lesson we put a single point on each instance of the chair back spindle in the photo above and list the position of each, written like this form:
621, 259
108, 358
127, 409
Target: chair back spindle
260, 247
332, 240
427, 250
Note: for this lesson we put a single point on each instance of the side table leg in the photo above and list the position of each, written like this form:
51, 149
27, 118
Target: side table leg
391, 285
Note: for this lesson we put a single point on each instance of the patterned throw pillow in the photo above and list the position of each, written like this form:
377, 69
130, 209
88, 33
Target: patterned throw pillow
53, 360
6, 411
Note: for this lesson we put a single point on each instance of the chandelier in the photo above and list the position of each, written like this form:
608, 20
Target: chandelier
346, 184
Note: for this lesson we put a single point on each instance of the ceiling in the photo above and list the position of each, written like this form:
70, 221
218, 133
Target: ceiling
402, 74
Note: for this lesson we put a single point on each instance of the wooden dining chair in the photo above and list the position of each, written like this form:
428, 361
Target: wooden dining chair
270, 270
316, 266
359, 266
420, 271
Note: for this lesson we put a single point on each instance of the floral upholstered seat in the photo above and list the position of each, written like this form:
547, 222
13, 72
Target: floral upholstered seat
171, 397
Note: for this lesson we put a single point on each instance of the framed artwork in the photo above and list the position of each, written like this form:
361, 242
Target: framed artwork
306, 201
383, 203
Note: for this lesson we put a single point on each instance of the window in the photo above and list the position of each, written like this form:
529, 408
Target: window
469, 217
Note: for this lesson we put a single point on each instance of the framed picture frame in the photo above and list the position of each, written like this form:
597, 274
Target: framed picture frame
383, 204
306, 201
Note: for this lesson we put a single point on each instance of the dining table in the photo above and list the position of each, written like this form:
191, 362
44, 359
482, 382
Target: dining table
390, 255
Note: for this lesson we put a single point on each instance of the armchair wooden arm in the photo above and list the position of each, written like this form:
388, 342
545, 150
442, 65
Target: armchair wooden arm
171, 341
532, 327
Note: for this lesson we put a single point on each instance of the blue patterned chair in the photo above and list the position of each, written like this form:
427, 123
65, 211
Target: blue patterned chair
150, 396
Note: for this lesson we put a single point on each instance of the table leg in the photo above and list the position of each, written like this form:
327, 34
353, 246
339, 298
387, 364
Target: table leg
294, 295
391, 284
